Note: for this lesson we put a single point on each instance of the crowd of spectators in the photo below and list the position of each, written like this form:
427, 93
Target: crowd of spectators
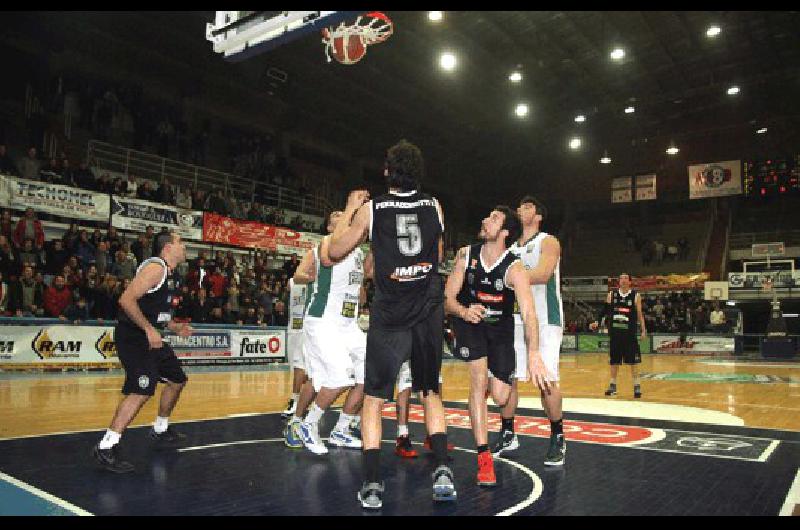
82, 274
672, 312
654, 251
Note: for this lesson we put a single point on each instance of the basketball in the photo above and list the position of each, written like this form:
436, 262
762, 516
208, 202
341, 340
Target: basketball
349, 49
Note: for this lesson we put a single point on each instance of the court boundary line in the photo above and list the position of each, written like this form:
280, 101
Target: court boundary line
49, 497
535, 494
792, 497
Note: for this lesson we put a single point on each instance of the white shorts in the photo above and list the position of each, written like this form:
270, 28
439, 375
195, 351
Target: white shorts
549, 346
334, 354
294, 349
404, 381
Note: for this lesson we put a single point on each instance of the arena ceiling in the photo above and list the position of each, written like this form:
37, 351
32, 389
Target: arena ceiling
674, 76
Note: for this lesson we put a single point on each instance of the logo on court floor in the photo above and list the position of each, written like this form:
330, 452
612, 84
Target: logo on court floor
712, 444
144, 382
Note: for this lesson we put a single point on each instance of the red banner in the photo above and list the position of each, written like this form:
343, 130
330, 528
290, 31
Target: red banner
251, 234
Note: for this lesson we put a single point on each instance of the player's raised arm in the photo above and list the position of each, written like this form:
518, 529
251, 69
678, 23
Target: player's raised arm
354, 227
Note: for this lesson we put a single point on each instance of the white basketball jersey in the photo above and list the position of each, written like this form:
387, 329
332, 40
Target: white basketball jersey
336, 290
546, 297
297, 306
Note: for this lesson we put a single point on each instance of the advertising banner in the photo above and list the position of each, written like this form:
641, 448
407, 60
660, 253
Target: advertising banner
715, 179
664, 282
599, 342
57, 344
255, 343
698, 344
569, 342
645, 187
756, 280
622, 189
252, 234
63, 201
137, 215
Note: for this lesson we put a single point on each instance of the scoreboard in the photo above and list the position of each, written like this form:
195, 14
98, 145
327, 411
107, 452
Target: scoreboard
780, 176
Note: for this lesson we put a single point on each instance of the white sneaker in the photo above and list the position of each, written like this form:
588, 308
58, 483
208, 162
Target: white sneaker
343, 438
309, 432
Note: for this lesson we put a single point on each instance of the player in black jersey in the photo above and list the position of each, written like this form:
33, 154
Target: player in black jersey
405, 228
480, 294
623, 310
147, 306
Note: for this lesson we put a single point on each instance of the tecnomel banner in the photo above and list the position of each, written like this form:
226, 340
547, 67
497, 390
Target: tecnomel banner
251, 234
715, 179
63, 201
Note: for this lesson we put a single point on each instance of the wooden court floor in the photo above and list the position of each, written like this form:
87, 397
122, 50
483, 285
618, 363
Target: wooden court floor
760, 393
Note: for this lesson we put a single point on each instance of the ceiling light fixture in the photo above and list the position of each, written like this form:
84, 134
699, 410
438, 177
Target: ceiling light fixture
522, 110
434, 16
515, 77
713, 31
617, 54
447, 61
606, 159
672, 150
575, 143
580, 118
762, 130
629, 110
732, 91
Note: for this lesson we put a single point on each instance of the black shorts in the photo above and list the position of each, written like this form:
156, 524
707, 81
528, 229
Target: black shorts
624, 348
145, 368
493, 341
422, 345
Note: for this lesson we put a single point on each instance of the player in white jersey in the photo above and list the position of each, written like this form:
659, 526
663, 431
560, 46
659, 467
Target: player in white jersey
334, 346
541, 255
294, 342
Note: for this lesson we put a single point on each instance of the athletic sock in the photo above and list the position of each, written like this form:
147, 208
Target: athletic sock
439, 446
344, 422
372, 465
314, 414
557, 427
110, 439
402, 430
161, 424
296, 418
636, 381
613, 381
483, 448
508, 424
294, 397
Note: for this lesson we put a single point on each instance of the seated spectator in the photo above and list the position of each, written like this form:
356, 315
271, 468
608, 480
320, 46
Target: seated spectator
185, 303
26, 296
68, 174
71, 236
249, 318
29, 166
29, 255
280, 318
29, 226
57, 298
131, 186
262, 318
7, 166
106, 299
78, 312
102, 259
228, 315
145, 192
142, 248
84, 250
165, 193
51, 172
217, 284
233, 297
96, 237
201, 309
193, 276
114, 240
289, 267
124, 266
253, 214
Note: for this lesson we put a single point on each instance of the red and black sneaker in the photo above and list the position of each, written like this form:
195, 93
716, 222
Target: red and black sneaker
486, 476
404, 448
427, 444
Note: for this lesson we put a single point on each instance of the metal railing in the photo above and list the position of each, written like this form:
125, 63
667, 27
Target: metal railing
747, 239
188, 176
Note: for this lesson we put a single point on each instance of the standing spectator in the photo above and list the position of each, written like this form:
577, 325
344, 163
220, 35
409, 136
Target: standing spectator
7, 225
7, 166
106, 299
29, 166
114, 240
658, 251
700, 319
141, 248
84, 177
264, 300
217, 284
84, 250
57, 298
228, 315
201, 308
68, 174
124, 266
233, 297
683, 248
28, 227
3, 295
280, 318
25, 296
78, 312
9, 260
193, 276
717, 319
102, 259
289, 267
71, 236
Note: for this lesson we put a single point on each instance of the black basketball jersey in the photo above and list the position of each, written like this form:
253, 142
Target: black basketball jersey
157, 305
624, 316
404, 231
486, 285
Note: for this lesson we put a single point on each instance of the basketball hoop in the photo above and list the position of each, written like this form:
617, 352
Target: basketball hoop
348, 43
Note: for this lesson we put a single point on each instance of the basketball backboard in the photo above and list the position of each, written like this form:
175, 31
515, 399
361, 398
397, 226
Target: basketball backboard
239, 35
715, 291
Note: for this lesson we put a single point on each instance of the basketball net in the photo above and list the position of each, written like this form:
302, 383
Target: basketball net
348, 43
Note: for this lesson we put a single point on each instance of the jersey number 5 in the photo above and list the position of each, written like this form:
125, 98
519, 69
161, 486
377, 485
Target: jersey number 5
409, 237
